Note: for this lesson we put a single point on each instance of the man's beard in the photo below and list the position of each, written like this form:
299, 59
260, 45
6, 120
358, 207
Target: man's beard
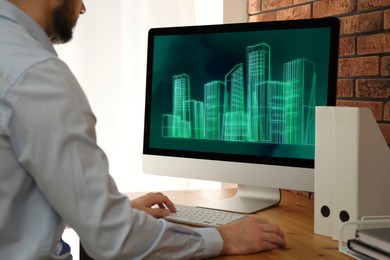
62, 23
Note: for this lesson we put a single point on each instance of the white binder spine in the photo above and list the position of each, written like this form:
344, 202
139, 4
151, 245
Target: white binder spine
345, 176
324, 167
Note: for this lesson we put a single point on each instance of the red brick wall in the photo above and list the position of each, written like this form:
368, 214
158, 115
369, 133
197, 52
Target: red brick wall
364, 53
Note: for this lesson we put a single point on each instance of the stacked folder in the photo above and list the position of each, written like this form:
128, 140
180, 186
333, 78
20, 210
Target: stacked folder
373, 243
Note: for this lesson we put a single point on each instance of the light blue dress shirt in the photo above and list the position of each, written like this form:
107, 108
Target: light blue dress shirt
52, 171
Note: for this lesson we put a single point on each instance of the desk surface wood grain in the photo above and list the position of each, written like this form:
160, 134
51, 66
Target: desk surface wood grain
294, 215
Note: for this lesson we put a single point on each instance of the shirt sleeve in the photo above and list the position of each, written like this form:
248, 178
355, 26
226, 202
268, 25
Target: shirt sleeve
52, 130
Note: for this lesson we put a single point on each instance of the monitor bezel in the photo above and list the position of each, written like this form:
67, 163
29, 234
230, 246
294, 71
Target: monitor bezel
330, 22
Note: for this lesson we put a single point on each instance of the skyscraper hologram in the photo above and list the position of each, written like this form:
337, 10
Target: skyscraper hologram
248, 106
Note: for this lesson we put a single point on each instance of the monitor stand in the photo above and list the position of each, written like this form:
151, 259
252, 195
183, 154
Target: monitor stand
248, 199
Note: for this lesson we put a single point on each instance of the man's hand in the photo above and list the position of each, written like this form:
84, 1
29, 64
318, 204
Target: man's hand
250, 235
147, 201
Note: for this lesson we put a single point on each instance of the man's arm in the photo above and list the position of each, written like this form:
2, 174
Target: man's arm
52, 130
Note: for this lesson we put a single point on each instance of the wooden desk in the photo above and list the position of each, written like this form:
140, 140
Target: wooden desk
294, 215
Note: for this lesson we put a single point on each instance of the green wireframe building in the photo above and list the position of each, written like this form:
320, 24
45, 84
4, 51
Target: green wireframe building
214, 102
235, 124
258, 73
300, 84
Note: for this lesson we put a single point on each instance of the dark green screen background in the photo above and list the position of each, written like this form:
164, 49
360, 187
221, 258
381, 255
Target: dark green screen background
209, 57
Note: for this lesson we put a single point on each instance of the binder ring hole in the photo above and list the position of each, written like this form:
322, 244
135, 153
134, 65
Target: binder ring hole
344, 216
325, 211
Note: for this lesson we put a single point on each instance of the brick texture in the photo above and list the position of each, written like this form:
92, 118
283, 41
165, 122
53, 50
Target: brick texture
385, 66
371, 4
299, 12
326, 8
263, 17
372, 44
345, 88
373, 88
296, 2
386, 114
369, 22
347, 46
254, 6
267, 5
386, 19
361, 66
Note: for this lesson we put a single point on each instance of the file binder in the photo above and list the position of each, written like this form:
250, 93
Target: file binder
357, 174
323, 178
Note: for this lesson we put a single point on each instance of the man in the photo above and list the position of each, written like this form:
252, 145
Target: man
52, 172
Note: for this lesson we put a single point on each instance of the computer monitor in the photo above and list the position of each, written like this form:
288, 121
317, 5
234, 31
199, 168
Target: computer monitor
236, 103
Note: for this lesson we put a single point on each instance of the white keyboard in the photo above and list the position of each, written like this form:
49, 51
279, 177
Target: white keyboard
202, 217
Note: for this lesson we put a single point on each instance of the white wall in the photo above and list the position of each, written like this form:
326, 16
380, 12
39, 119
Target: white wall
235, 11
137, 17
108, 56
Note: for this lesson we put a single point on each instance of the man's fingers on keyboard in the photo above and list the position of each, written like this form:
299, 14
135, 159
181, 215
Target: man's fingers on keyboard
160, 213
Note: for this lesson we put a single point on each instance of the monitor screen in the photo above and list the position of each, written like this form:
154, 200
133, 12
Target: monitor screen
239, 93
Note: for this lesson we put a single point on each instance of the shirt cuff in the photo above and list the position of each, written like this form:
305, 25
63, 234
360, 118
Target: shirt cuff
213, 241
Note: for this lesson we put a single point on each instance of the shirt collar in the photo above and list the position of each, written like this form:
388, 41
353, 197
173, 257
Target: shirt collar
13, 13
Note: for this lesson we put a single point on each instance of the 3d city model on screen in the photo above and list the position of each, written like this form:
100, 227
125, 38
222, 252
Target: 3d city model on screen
229, 89
271, 111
